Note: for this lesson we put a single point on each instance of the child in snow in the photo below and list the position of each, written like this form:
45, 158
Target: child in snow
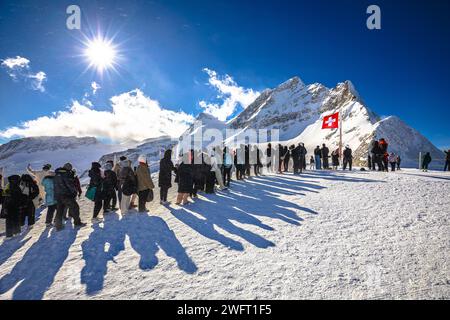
311, 163
393, 161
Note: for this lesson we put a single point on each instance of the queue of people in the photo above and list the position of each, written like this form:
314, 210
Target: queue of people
119, 185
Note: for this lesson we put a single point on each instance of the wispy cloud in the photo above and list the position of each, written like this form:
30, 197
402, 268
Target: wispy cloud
95, 86
19, 69
133, 116
230, 93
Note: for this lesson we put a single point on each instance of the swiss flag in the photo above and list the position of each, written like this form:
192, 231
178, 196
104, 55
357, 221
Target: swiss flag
331, 121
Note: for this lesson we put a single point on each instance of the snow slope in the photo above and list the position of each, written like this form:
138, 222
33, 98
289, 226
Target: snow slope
322, 235
37, 151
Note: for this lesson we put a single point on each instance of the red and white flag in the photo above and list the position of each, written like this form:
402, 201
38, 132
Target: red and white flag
331, 121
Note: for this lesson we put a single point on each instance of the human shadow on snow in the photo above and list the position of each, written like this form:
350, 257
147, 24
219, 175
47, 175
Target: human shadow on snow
35, 272
147, 234
244, 205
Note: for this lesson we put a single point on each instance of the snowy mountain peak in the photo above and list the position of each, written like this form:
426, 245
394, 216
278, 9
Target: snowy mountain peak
291, 83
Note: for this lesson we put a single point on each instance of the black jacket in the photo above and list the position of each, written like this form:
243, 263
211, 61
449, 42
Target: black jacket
325, 152
318, 152
97, 181
185, 178
64, 184
165, 172
14, 200
128, 180
348, 153
110, 181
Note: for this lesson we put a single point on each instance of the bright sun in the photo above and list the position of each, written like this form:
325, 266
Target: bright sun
101, 54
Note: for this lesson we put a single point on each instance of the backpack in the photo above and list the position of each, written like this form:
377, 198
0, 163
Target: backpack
129, 186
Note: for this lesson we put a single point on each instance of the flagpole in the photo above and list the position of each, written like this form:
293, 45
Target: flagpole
340, 137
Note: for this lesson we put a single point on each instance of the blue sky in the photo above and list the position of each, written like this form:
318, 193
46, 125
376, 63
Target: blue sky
164, 46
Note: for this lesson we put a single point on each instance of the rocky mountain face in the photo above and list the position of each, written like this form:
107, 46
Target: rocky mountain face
295, 109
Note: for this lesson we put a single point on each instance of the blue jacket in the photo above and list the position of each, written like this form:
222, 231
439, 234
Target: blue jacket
49, 190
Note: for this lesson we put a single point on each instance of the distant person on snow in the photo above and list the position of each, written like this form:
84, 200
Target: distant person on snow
385, 155
311, 163
286, 159
166, 168
128, 185
65, 195
50, 201
317, 156
447, 160
39, 176
295, 153
426, 162
227, 166
109, 187
377, 156
335, 159
97, 179
392, 161
31, 191
184, 179
325, 155
399, 162
348, 158
11, 209
269, 154
302, 152
145, 183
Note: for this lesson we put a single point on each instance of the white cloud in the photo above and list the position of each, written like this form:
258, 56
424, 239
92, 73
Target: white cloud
17, 62
133, 116
95, 86
230, 93
18, 69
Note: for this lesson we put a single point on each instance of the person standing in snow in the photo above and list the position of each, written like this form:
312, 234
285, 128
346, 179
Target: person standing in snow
128, 185
31, 190
302, 152
384, 151
317, 157
145, 183
184, 179
13, 201
166, 168
50, 201
399, 161
280, 158
426, 162
348, 158
117, 169
286, 159
97, 179
227, 166
216, 170
39, 176
377, 156
325, 154
335, 159
392, 161
295, 154
109, 187
447, 160
65, 196
269, 162
311, 163
369, 162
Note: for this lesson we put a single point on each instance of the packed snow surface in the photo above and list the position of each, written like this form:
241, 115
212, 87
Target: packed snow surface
330, 235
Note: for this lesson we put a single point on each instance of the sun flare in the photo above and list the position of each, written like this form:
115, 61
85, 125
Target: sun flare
101, 54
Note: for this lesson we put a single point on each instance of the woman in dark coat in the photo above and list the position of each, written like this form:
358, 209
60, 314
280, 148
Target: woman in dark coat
96, 181
31, 190
185, 180
165, 175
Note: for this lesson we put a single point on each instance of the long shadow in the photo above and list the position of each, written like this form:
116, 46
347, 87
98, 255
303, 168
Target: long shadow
35, 272
235, 206
427, 176
147, 234
9, 247
330, 175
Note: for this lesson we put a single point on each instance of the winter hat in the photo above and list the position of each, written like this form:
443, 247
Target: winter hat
96, 165
68, 166
47, 167
14, 179
123, 158
142, 159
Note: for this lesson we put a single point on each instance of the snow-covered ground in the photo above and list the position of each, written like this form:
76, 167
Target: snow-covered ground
330, 235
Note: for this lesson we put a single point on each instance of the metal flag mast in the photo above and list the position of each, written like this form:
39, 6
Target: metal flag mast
340, 137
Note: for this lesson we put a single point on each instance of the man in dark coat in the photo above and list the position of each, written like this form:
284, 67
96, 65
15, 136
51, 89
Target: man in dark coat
166, 168
447, 160
13, 203
295, 154
65, 195
325, 152
109, 187
348, 158
377, 156
31, 190
97, 182
426, 161
185, 180
317, 157
302, 152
